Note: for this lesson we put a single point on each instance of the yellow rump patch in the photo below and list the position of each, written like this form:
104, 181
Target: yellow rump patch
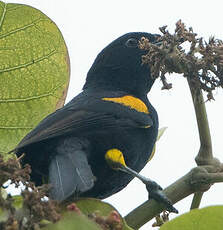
115, 158
130, 101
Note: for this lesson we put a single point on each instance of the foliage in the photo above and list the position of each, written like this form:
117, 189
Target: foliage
198, 219
34, 71
32, 210
34, 74
203, 63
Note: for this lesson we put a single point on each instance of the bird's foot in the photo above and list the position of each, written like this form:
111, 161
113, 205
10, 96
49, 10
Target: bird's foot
156, 192
115, 159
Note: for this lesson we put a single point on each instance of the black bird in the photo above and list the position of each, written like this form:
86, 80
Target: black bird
103, 137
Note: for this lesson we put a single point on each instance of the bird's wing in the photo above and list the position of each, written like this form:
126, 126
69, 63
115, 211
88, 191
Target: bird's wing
92, 117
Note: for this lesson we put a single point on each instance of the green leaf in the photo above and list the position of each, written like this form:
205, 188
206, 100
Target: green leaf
198, 219
97, 209
73, 221
91, 205
17, 204
160, 134
18, 201
3, 215
4, 193
34, 71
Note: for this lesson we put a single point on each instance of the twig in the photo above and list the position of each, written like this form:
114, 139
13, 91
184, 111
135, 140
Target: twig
205, 153
202, 65
203, 72
196, 200
198, 179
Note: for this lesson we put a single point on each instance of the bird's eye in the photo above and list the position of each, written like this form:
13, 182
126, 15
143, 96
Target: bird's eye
131, 42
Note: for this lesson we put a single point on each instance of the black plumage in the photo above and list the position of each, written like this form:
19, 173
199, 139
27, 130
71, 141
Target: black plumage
68, 147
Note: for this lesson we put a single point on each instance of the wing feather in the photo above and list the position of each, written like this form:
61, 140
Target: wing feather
96, 116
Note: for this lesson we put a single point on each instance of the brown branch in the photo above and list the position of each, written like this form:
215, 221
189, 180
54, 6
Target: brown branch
202, 65
203, 62
204, 156
196, 200
198, 179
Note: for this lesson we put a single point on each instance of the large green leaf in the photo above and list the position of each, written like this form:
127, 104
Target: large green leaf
85, 213
91, 205
90, 209
69, 221
34, 71
81, 219
73, 221
198, 219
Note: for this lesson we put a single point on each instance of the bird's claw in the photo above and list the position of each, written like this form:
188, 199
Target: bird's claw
156, 193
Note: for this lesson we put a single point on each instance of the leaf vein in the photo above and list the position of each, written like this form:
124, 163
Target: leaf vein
21, 28
3, 15
28, 63
15, 127
15, 8
30, 98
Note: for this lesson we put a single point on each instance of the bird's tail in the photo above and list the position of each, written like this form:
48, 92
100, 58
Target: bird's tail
69, 173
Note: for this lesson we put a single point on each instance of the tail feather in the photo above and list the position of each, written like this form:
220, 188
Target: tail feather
69, 173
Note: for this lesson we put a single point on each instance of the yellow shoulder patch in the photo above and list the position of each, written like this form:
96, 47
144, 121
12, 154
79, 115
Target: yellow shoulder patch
115, 158
130, 101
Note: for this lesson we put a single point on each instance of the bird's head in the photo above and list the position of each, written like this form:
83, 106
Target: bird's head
119, 66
